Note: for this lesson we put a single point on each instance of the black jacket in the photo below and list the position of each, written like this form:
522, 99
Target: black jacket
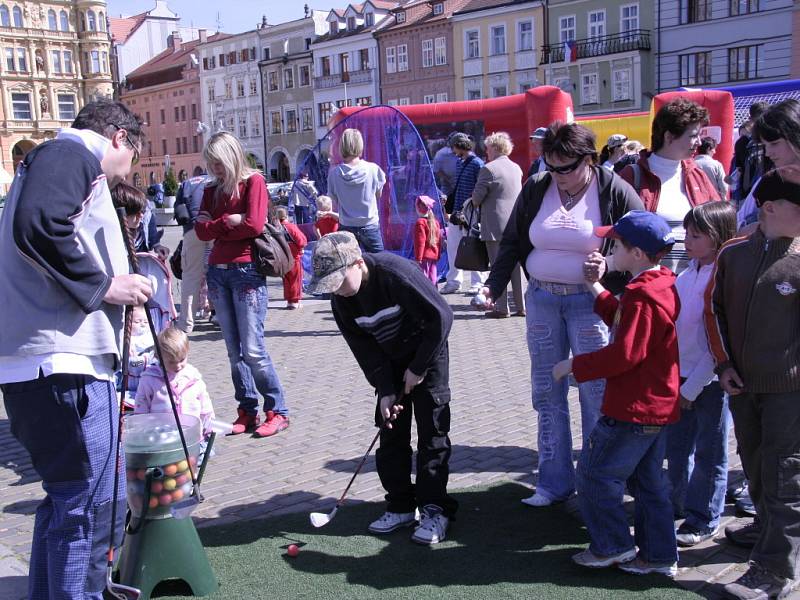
616, 199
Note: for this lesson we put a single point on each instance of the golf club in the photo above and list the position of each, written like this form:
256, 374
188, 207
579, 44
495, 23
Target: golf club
319, 519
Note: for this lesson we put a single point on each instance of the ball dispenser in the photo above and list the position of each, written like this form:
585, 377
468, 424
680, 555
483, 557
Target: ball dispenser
161, 542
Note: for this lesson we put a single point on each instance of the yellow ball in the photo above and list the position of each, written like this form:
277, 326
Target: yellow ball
169, 483
183, 465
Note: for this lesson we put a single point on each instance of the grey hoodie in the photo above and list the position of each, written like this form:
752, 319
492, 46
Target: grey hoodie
356, 189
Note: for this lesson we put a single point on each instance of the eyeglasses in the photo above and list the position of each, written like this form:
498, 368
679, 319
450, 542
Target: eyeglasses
563, 170
135, 158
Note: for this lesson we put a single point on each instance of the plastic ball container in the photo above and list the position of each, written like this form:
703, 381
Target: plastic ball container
152, 443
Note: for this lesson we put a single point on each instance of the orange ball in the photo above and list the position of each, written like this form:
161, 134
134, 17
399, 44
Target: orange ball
156, 487
153, 502
170, 470
177, 495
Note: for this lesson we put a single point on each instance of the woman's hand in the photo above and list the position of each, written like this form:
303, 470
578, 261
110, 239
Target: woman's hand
483, 299
562, 369
594, 267
233, 220
203, 217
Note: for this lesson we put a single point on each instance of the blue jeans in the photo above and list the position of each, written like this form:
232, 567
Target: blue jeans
697, 452
557, 324
369, 236
618, 452
68, 424
240, 298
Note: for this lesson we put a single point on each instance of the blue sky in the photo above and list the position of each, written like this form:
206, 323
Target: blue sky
237, 16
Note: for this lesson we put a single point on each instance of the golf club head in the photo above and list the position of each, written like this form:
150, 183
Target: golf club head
121, 592
319, 519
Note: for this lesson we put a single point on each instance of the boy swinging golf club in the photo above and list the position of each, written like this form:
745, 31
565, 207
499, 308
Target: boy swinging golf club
396, 324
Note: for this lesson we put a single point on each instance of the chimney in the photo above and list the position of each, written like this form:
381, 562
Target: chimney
203, 33
174, 41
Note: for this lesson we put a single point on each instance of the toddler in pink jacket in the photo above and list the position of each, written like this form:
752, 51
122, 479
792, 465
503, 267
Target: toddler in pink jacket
189, 390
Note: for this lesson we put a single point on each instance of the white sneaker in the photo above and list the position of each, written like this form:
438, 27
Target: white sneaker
537, 500
475, 288
450, 288
433, 526
390, 521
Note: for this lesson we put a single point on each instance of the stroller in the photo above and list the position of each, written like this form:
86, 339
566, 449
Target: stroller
162, 311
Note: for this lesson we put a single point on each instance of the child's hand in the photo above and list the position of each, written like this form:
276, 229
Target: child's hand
233, 220
562, 369
411, 380
389, 410
594, 267
730, 381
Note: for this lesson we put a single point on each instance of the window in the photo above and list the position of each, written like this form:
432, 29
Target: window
497, 36
92, 19
524, 36
177, 114
566, 28
442, 97
524, 87
64, 19
291, 120
275, 120
743, 63
499, 91
473, 43
56, 59
402, 57
163, 147
392, 102
17, 12
66, 107
597, 24
183, 113
621, 81
194, 111
589, 88
5, 16
228, 90
429, 98
401, 17
351, 23
473, 94
629, 18
101, 21
195, 144
369, 19
694, 11
104, 62
266, 54
10, 60
242, 126
211, 91
325, 65
441, 51
325, 112
404, 101
21, 106
52, 22
67, 55
363, 59
94, 59
438, 8
255, 125
22, 60
272, 78
177, 145
240, 88
308, 120
163, 117
221, 60
743, 7
695, 68
305, 75
333, 27
391, 62
253, 86
427, 53
344, 62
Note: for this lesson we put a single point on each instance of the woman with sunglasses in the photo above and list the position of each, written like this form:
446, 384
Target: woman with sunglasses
550, 233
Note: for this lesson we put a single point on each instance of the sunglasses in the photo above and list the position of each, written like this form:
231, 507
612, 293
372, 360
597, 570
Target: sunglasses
135, 159
564, 169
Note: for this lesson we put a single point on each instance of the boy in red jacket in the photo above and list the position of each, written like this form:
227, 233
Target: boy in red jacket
293, 280
628, 443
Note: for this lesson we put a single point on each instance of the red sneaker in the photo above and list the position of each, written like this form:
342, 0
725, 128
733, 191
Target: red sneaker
272, 425
245, 423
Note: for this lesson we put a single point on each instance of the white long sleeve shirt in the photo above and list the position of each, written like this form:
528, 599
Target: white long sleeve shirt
696, 361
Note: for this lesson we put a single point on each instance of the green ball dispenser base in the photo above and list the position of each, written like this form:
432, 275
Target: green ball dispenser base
164, 549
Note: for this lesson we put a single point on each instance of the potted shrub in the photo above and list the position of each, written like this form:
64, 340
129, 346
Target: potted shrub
170, 189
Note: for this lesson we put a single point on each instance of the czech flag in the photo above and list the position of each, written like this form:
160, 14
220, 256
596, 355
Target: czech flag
570, 51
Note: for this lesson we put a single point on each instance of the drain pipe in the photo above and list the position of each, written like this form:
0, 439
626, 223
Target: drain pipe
658, 52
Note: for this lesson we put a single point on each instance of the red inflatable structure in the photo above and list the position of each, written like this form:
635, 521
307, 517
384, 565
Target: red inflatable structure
517, 115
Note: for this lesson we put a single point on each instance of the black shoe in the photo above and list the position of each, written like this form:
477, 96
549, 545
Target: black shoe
745, 536
687, 535
759, 584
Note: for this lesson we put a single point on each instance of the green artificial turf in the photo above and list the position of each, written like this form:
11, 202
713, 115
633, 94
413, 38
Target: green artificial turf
497, 548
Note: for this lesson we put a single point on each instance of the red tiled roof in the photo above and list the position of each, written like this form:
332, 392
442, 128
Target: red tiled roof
476, 5
123, 27
386, 4
170, 58
421, 11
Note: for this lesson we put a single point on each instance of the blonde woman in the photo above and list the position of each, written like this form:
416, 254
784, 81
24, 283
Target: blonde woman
232, 213
355, 186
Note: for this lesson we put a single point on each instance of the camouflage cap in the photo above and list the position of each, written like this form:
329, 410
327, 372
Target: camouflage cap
332, 255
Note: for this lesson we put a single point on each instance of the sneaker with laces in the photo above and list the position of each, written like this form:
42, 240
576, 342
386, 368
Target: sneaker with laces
759, 584
640, 566
587, 558
273, 424
745, 536
244, 423
432, 527
474, 289
537, 500
390, 521
688, 535
450, 288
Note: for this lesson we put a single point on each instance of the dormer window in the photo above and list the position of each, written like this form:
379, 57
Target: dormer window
401, 17
438, 8
333, 27
369, 19
351, 23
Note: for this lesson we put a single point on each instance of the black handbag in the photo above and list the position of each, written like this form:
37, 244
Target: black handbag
472, 254
175, 261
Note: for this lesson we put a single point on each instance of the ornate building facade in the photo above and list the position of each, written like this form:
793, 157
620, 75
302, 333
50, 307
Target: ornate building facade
55, 58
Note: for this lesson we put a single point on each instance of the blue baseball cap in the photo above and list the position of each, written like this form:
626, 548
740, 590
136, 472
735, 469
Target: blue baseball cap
642, 229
